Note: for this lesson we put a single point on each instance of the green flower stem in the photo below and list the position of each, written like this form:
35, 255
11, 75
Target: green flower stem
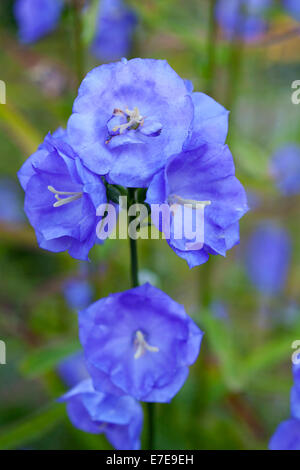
135, 283
235, 68
211, 48
78, 43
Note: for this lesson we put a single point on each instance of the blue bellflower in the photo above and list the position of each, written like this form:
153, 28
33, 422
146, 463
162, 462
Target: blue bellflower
36, 18
268, 258
139, 343
203, 175
242, 19
61, 197
287, 436
119, 418
115, 27
285, 169
293, 8
128, 118
72, 370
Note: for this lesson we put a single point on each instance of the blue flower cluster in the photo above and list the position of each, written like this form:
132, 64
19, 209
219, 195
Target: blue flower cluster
135, 124
287, 435
114, 29
243, 19
247, 20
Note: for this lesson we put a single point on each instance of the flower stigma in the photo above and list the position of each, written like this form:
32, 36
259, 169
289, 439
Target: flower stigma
71, 196
142, 346
134, 119
174, 199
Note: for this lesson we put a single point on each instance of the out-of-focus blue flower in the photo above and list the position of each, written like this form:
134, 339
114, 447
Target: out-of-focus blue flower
295, 401
268, 258
219, 310
10, 202
296, 372
242, 19
119, 418
205, 174
293, 8
287, 436
129, 118
143, 347
61, 197
73, 370
78, 293
285, 169
115, 27
36, 18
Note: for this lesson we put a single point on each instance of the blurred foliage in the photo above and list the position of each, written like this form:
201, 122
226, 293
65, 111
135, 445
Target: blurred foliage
238, 390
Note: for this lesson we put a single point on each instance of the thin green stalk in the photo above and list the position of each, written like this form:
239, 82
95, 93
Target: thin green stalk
78, 43
135, 283
235, 67
211, 48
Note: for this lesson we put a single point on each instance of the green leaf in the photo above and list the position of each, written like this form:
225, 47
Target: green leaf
35, 426
221, 342
45, 359
267, 356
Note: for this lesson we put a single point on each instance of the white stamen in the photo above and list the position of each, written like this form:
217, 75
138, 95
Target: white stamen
180, 200
142, 345
72, 196
134, 119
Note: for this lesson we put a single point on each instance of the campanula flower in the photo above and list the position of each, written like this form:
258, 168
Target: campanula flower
119, 418
287, 436
61, 197
205, 176
139, 342
210, 121
268, 258
36, 18
11, 209
128, 118
243, 19
285, 169
115, 27
292, 7
78, 293
72, 370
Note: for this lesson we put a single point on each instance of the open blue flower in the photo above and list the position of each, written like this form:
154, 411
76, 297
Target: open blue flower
139, 343
287, 436
115, 27
61, 197
36, 18
268, 258
128, 118
119, 418
285, 169
242, 19
293, 8
206, 176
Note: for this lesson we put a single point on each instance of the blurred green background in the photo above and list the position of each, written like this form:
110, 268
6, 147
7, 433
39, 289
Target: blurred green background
238, 391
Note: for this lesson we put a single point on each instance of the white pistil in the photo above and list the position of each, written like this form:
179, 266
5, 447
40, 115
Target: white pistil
142, 345
180, 200
134, 119
72, 196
